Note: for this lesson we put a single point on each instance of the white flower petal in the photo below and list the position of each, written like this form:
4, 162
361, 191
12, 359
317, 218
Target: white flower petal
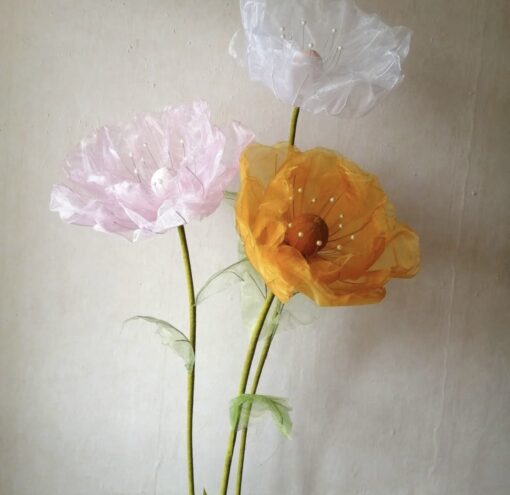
321, 56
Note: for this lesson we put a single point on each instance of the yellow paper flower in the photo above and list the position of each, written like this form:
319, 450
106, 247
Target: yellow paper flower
314, 222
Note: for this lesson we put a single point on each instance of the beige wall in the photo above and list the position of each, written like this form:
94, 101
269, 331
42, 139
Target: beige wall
408, 397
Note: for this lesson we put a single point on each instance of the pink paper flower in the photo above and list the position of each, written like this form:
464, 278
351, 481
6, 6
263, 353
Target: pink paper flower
160, 171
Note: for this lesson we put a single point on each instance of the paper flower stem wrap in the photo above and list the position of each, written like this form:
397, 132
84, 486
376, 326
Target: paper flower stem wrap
314, 223
293, 125
191, 373
242, 386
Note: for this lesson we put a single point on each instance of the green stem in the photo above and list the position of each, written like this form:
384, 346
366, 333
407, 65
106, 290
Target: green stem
191, 374
256, 379
242, 385
267, 342
293, 125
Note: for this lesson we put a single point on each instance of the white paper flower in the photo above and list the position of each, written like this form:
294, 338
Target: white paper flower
321, 55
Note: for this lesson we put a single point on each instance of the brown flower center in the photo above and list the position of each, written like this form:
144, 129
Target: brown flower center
307, 233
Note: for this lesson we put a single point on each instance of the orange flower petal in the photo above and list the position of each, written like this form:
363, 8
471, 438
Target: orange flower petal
365, 245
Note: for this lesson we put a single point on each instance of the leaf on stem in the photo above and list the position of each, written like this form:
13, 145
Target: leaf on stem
222, 280
300, 311
248, 406
170, 337
253, 294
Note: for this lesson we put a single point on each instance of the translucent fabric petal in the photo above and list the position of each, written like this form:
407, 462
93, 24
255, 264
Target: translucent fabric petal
320, 55
363, 245
159, 171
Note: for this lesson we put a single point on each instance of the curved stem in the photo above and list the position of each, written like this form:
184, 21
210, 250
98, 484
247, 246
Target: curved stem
256, 379
242, 385
191, 374
293, 125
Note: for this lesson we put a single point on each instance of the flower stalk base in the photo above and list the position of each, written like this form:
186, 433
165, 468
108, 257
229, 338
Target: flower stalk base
191, 374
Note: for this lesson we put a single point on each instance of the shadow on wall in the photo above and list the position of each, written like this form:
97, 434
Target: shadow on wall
442, 84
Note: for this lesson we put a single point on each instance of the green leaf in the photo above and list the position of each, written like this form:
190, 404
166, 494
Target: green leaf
170, 337
222, 280
253, 292
205, 493
300, 311
247, 406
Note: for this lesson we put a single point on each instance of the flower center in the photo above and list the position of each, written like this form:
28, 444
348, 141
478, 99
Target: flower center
307, 233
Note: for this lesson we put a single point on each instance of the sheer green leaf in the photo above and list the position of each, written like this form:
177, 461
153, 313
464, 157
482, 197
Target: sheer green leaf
252, 287
170, 337
248, 406
298, 312
222, 280
240, 272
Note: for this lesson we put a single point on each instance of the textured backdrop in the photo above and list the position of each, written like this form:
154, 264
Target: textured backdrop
407, 397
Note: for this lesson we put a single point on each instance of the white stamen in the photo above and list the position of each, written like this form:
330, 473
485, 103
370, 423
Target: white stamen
300, 234
319, 243
303, 23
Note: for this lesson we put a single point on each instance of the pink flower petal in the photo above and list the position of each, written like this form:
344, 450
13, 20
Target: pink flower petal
161, 170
